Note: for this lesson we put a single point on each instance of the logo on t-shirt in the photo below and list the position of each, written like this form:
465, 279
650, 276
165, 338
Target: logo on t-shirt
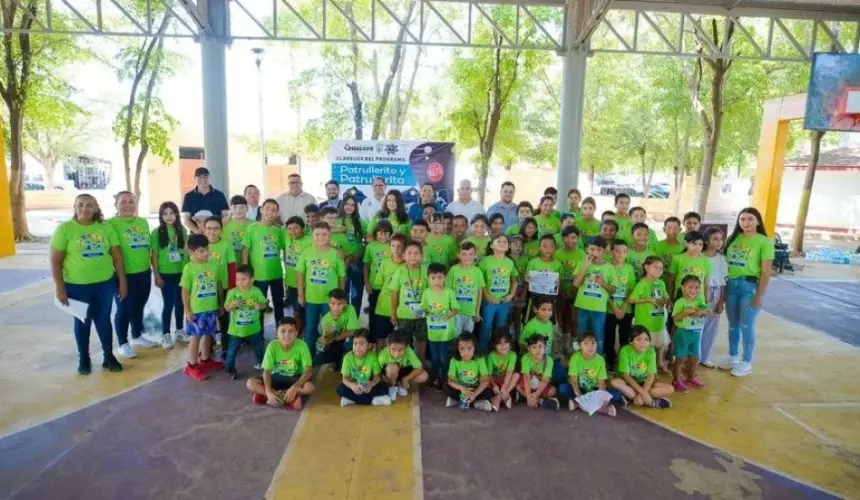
206, 284
320, 269
92, 245
287, 367
738, 254
137, 238
465, 287
467, 376
270, 246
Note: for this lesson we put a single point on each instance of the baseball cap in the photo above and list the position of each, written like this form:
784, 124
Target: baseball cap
201, 171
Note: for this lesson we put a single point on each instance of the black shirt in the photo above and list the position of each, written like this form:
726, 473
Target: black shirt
213, 201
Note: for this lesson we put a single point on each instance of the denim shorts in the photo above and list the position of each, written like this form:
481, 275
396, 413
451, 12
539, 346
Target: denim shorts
205, 323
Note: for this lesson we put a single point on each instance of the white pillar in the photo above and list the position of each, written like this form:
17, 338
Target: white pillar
572, 99
213, 61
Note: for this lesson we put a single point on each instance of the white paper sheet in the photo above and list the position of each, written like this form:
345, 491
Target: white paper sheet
544, 283
75, 308
593, 401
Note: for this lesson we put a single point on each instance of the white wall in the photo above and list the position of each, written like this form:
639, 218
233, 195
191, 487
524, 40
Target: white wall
835, 200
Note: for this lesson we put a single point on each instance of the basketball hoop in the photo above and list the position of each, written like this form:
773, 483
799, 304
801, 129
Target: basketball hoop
847, 115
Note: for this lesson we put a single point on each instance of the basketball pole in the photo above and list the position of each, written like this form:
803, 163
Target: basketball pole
7, 232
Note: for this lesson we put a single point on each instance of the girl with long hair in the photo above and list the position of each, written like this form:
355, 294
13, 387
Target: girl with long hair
169, 255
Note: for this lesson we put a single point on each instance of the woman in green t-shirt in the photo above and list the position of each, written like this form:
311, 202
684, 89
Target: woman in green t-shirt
394, 211
132, 232
85, 254
749, 253
169, 255
348, 215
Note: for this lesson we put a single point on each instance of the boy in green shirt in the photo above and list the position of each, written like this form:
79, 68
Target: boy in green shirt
638, 215
671, 246
361, 381
244, 304
312, 218
569, 255
383, 326
524, 211
375, 254
201, 295
689, 313
619, 316
440, 306
593, 280
286, 370
400, 366
540, 324
295, 243
640, 249
261, 250
459, 228
586, 373
440, 247
536, 368
467, 281
238, 222
625, 223
336, 327
468, 379
407, 286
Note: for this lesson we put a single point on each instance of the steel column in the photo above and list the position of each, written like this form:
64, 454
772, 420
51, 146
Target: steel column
213, 57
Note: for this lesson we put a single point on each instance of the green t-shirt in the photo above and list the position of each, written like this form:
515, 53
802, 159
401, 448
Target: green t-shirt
349, 239
638, 365
245, 321
221, 253
532, 249
587, 228
588, 372
625, 228
695, 323
624, 280
746, 253
481, 245
397, 226
265, 244
88, 251
410, 284
322, 269
408, 360
515, 229
133, 236
651, 316
537, 327
440, 249
171, 258
539, 265
360, 370
700, 267
637, 260
289, 362
522, 263
374, 255
346, 322
436, 305
201, 281
547, 224
293, 248
590, 296
539, 369
666, 251
468, 373
498, 274
235, 232
570, 260
501, 365
467, 283
386, 271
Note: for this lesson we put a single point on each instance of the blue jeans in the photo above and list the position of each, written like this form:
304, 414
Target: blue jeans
493, 316
742, 316
171, 296
355, 285
256, 342
129, 311
372, 299
313, 315
440, 354
277, 286
592, 321
99, 296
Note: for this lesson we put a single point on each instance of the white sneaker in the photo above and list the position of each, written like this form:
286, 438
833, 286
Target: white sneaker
707, 363
571, 405
392, 393
346, 402
381, 401
729, 362
402, 392
166, 341
179, 336
742, 369
482, 405
142, 342
451, 402
126, 351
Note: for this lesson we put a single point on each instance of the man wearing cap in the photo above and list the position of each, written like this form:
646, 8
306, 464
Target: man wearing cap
332, 195
293, 202
202, 199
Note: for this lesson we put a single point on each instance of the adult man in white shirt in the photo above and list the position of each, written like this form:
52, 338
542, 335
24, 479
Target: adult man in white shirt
252, 195
294, 201
373, 204
465, 205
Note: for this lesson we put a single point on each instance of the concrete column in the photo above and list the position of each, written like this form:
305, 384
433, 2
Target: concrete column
213, 50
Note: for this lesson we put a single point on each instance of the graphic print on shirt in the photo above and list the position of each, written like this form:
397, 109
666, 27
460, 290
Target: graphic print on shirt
92, 245
137, 237
464, 287
592, 288
319, 271
287, 366
206, 284
269, 244
500, 280
739, 254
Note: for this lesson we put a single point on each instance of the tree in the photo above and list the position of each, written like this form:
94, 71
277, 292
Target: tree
803, 209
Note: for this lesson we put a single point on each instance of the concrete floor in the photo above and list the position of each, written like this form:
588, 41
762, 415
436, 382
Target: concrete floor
791, 430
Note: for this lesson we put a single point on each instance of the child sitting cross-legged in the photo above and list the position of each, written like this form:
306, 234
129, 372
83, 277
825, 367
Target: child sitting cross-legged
286, 370
637, 373
587, 373
362, 383
536, 371
468, 378
400, 365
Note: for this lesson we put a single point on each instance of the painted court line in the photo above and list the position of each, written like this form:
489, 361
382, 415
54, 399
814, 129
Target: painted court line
820, 435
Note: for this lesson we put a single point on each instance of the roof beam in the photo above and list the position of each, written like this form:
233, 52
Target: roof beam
817, 14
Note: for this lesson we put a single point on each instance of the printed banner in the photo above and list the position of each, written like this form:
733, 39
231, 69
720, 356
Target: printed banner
405, 165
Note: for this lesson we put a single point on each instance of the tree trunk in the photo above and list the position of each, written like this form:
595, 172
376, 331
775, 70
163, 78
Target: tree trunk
144, 120
392, 71
16, 178
803, 208
483, 173
591, 177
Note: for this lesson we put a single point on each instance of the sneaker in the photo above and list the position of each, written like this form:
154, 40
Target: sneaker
392, 393
483, 405
707, 364
295, 404
663, 403
695, 382
680, 386
550, 404
232, 373
210, 365
729, 362
85, 366
142, 342
195, 372
381, 401
571, 405
258, 399
438, 386
179, 336
402, 391
166, 341
126, 351
451, 402
742, 369
346, 402
508, 403
111, 364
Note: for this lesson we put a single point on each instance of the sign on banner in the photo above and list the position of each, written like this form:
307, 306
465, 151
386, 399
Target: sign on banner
543, 283
405, 165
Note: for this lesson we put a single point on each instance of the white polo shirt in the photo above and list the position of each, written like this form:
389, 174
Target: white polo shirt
470, 209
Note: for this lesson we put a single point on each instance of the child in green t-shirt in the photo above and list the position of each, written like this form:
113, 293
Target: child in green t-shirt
525, 210
640, 249
287, 369
312, 217
501, 283
622, 216
439, 304
594, 283
382, 325
238, 222
361, 380
586, 373
692, 222
588, 224
468, 378
400, 365
649, 299
202, 295
336, 327
521, 261
619, 316
540, 324
637, 373
546, 219
545, 262
536, 368
502, 365
440, 247
459, 228
221, 253
497, 225
262, 248
569, 255
671, 246
244, 304
692, 262
608, 232
295, 243
689, 313
375, 254
407, 287
467, 281
638, 215
169, 255
480, 237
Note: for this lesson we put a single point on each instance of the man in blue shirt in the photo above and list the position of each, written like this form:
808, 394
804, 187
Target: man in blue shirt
506, 206
203, 197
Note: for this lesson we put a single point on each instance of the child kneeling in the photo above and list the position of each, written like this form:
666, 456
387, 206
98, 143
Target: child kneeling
400, 365
637, 367
362, 383
286, 370
536, 372
587, 373
468, 378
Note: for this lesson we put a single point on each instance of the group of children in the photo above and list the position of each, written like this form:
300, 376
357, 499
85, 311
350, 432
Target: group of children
450, 303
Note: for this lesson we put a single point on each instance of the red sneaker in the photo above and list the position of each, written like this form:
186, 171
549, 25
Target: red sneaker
695, 382
259, 399
195, 372
296, 404
210, 365
680, 386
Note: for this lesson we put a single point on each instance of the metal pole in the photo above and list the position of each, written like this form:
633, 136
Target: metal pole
213, 54
572, 100
263, 159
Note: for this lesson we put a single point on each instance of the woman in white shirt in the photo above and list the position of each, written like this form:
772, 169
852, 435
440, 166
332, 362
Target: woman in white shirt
714, 241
